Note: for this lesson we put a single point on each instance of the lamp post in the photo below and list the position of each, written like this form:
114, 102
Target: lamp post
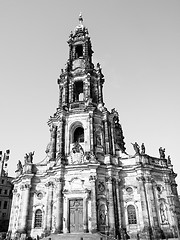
3, 160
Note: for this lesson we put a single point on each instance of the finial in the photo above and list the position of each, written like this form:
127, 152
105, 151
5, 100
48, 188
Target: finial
80, 19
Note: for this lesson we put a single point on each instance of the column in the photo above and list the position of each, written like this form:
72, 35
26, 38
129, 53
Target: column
13, 208
150, 205
106, 137
85, 216
173, 221
60, 93
53, 142
99, 91
65, 215
112, 137
59, 206
145, 212
25, 207
60, 132
49, 206
111, 212
91, 132
92, 180
118, 205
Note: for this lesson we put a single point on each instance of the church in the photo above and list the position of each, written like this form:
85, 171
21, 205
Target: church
88, 186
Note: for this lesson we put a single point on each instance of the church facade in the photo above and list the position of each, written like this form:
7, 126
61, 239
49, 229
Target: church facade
88, 183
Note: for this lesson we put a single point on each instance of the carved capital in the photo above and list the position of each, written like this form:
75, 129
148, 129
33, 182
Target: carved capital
110, 179
27, 186
48, 184
148, 179
59, 180
92, 178
14, 191
141, 178
167, 180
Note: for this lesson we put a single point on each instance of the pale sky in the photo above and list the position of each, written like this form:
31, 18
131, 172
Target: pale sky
138, 46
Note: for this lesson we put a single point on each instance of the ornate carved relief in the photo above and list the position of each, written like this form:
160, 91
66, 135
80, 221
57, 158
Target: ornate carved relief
39, 195
101, 187
77, 154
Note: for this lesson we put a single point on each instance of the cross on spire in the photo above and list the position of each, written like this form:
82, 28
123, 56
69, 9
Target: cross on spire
80, 19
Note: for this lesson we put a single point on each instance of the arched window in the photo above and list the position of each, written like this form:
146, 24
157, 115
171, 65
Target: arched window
131, 211
78, 91
79, 51
78, 135
38, 219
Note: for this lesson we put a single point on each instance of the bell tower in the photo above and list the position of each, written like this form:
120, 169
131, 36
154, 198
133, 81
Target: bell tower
81, 118
80, 84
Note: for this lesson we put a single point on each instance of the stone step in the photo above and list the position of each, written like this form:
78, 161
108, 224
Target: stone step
76, 236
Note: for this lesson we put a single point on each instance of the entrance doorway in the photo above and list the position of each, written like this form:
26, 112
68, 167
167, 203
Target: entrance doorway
76, 215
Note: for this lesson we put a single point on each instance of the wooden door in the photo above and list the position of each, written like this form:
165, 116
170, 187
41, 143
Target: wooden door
76, 215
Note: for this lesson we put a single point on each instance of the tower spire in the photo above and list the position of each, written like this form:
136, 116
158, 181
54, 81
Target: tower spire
80, 19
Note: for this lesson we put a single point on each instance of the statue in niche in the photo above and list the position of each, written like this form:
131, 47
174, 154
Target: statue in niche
143, 149
102, 215
136, 147
98, 135
98, 138
162, 152
28, 158
163, 213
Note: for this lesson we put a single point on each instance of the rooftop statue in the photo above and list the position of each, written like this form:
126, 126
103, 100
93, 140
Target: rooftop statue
143, 149
162, 152
28, 158
136, 147
19, 166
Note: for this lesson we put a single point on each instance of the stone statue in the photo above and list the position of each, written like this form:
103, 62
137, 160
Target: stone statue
31, 154
90, 157
162, 152
169, 160
136, 147
77, 154
143, 149
77, 148
29, 157
102, 215
163, 213
98, 138
19, 166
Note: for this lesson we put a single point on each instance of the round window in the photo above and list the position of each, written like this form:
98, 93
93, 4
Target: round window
129, 189
159, 188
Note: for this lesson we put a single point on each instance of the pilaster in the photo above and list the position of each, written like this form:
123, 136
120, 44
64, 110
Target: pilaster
111, 212
60, 135
59, 205
106, 130
26, 195
145, 232
92, 180
49, 206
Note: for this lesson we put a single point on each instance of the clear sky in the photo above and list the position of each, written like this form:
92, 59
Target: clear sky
138, 46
